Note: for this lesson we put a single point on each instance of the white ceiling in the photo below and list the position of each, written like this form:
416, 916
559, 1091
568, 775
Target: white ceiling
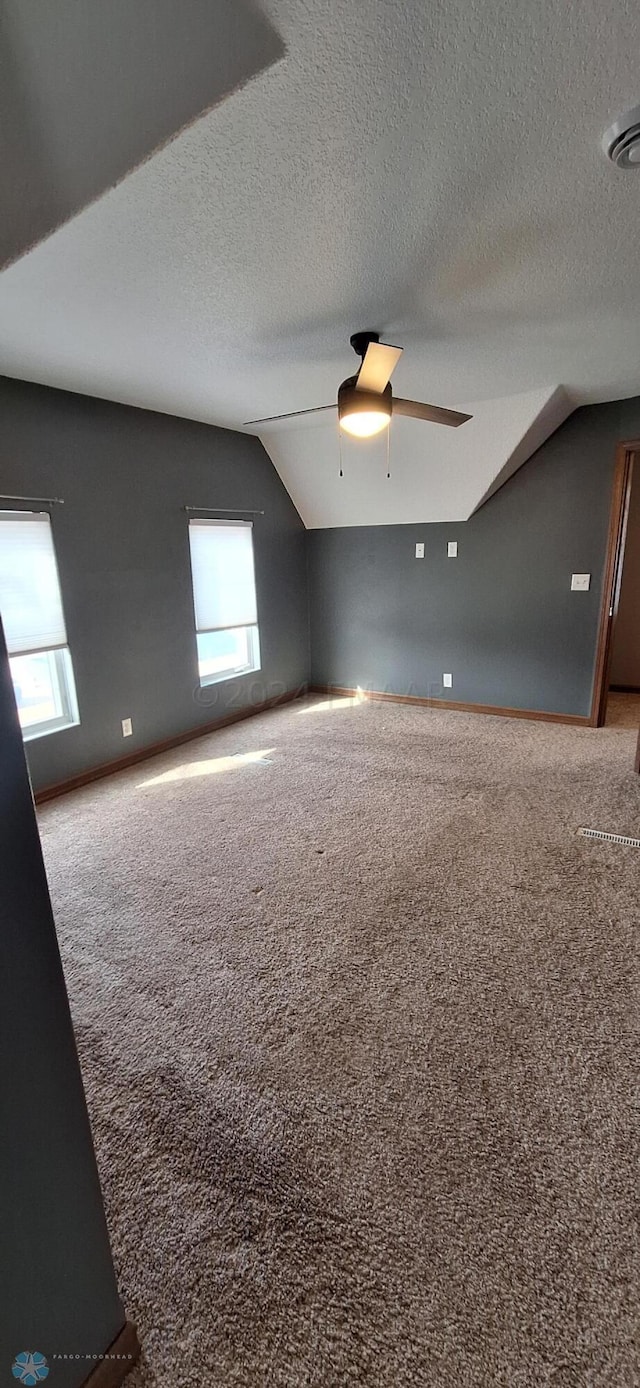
430, 170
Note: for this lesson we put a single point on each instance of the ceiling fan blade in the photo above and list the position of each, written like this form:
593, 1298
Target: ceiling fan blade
434, 413
377, 368
270, 419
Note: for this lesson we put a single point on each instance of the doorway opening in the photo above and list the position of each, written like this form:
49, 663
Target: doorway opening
624, 669
618, 651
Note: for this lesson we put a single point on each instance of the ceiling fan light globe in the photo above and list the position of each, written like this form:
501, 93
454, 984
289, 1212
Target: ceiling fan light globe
363, 413
365, 423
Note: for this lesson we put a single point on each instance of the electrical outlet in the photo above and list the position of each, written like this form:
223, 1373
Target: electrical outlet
419, 551
447, 681
127, 727
452, 549
580, 583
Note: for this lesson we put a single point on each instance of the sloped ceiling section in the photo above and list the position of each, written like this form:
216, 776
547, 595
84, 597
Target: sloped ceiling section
436, 474
552, 414
90, 88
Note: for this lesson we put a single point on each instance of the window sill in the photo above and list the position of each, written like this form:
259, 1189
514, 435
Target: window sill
227, 675
31, 734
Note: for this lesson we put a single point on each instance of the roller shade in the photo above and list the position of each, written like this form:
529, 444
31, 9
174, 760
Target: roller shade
224, 589
30, 599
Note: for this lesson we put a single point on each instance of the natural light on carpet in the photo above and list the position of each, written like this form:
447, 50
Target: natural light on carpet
212, 767
345, 701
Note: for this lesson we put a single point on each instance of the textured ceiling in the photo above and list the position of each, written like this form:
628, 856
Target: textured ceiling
433, 171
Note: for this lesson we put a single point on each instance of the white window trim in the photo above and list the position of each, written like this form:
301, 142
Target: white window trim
252, 628
70, 717
50, 624
234, 672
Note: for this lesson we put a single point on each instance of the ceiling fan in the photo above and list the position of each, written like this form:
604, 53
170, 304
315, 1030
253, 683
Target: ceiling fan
366, 402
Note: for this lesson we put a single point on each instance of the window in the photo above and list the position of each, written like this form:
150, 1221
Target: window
224, 597
33, 620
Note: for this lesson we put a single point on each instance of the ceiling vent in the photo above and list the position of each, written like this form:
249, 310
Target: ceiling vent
621, 142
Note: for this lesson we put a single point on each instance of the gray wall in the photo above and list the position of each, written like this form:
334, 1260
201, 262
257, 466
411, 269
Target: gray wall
501, 618
625, 659
58, 1287
121, 541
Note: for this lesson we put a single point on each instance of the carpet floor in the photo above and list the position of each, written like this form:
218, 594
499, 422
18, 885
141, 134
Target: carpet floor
357, 1016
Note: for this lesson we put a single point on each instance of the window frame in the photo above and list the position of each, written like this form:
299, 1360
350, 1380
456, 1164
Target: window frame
252, 629
232, 671
60, 663
63, 684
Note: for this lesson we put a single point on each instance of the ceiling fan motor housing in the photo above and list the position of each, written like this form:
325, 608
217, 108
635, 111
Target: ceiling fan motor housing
352, 401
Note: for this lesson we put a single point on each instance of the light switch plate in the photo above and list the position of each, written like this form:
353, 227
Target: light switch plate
419, 551
580, 583
452, 549
127, 727
447, 681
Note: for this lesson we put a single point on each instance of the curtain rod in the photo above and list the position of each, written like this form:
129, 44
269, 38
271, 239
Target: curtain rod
40, 500
227, 510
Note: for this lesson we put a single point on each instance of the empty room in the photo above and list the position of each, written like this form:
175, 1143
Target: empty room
319, 694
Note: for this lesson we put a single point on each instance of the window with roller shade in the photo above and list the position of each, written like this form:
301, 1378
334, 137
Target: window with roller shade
224, 598
34, 626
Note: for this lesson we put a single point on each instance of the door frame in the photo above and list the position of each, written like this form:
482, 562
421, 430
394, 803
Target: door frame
621, 494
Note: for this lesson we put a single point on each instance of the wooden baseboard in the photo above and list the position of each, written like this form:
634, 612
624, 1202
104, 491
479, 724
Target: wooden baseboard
154, 749
451, 705
624, 688
121, 1356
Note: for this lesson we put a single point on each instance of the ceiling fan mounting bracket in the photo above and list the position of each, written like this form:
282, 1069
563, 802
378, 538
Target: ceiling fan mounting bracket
360, 342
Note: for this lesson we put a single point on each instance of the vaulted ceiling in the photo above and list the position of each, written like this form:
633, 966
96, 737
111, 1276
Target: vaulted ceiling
430, 171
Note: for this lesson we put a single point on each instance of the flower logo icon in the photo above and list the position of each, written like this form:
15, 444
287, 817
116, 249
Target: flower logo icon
29, 1368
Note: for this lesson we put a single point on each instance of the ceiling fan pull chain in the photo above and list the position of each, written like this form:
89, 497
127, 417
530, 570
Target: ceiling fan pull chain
388, 449
341, 470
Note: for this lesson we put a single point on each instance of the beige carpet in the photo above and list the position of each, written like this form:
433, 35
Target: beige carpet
358, 1026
